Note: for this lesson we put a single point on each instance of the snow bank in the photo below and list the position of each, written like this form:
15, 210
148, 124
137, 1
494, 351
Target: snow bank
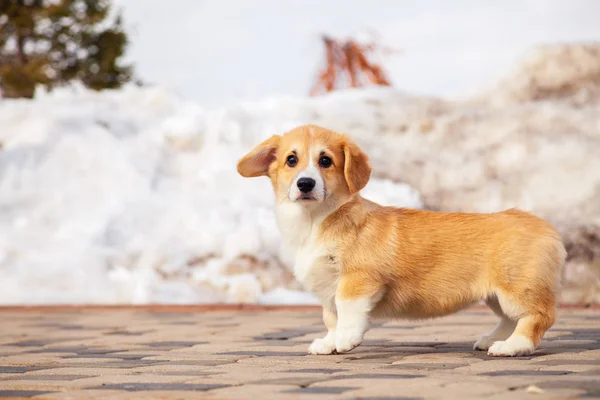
132, 196
559, 72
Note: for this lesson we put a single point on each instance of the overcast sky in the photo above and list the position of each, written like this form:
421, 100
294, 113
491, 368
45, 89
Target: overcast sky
217, 52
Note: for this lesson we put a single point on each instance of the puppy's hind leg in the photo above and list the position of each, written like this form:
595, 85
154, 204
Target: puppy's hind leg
529, 296
502, 331
532, 324
526, 337
326, 345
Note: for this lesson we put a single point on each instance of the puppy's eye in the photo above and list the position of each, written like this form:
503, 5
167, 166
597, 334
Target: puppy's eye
325, 162
291, 160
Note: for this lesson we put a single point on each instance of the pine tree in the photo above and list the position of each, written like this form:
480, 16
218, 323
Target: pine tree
52, 42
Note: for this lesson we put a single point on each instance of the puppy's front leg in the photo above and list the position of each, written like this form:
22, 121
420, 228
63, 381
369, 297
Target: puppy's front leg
354, 300
326, 345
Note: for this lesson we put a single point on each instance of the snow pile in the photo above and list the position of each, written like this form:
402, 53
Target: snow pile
132, 196
554, 72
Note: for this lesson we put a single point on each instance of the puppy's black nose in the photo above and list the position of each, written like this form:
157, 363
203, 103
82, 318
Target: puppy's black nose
306, 184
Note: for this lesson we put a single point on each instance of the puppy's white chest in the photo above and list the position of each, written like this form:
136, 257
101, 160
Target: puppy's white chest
317, 270
308, 260
314, 267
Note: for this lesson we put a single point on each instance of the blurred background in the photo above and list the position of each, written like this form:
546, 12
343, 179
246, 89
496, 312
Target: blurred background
121, 123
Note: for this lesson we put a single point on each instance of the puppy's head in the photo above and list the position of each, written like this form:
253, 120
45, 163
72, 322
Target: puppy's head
309, 165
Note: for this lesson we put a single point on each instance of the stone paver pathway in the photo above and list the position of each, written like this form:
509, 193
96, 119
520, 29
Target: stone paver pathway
221, 353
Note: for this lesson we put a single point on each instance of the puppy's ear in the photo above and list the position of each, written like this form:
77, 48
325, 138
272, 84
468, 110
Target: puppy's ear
256, 163
357, 170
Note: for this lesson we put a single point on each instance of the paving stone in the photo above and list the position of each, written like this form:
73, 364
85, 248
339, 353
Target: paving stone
126, 333
426, 387
88, 394
54, 377
425, 366
590, 387
316, 371
286, 334
142, 379
249, 391
387, 398
22, 393
170, 345
124, 353
110, 363
568, 362
76, 350
10, 369
525, 372
595, 372
204, 363
265, 353
32, 343
83, 371
110, 356
175, 369
314, 390
137, 387
301, 381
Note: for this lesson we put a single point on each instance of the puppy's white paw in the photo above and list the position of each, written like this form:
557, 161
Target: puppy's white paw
513, 346
484, 342
346, 341
321, 346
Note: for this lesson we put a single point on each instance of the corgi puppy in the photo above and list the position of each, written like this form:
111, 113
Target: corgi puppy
364, 260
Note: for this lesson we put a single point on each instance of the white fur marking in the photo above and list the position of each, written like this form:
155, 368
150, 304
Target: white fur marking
502, 331
516, 345
325, 345
311, 171
352, 322
513, 310
313, 266
295, 223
